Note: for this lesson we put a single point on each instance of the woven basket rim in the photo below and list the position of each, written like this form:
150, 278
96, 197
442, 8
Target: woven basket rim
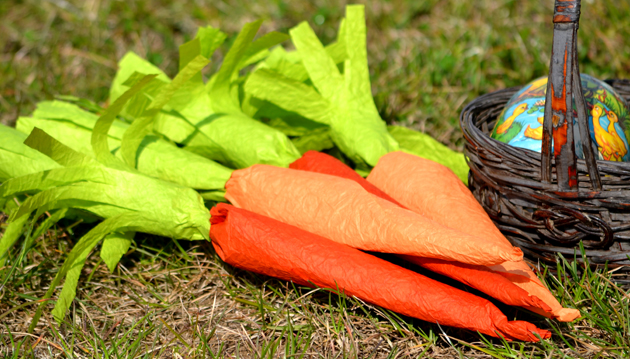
508, 175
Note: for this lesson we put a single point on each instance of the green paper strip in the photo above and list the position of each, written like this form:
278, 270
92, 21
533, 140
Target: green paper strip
17, 159
356, 72
127, 65
156, 157
11, 235
104, 123
114, 246
294, 96
142, 126
107, 192
56, 150
259, 49
321, 68
210, 39
425, 146
355, 124
222, 100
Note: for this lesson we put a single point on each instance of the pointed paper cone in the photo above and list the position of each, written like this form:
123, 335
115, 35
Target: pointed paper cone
433, 190
340, 209
263, 245
478, 277
522, 276
319, 162
449, 202
483, 279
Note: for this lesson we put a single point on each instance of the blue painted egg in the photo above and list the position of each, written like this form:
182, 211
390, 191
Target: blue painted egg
520, 123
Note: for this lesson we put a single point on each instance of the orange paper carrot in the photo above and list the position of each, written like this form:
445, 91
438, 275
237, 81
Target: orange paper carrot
478, 277
314, 161
449, 202
341, 210
485, 280
260, 244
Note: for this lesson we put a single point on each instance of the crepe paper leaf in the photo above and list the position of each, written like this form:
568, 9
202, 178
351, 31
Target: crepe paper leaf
322, 70
215, 196
41, 181
57, 151
12, 233
211, 126
73, 115
17, 159
141, 126
104, 123
82, 102
478, 277
64, 111
210, 39
107, 192
356, 70
131, 67
69, 290
344, 101
156, 157
127, 65
78, 138
187, 52
260, 244
137, 105
219, 91
114, 246
425, 146
242, 142
341, 210
285, 63
289, 123
259, 49
289, 63
291, 95
316, 140
182, 214
447, 201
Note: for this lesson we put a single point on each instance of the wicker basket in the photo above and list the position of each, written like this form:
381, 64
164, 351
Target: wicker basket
551, 202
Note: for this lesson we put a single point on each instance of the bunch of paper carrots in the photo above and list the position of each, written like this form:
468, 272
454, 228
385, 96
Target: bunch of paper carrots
275, 143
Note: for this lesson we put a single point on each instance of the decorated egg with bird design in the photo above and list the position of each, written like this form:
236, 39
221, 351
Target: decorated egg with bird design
520, 123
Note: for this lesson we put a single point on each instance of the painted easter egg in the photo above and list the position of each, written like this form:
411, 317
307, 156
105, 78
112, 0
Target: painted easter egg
520, 123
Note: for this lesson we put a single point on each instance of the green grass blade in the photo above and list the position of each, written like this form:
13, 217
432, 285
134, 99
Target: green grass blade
125, 222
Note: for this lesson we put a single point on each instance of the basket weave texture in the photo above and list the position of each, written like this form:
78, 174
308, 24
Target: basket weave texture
534, 214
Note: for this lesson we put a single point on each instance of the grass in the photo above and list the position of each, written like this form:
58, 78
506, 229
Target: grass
427, 59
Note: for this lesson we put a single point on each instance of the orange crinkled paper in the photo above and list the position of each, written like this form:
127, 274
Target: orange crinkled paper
341, 210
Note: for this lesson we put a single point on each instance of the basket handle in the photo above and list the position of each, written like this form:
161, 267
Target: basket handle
563, 87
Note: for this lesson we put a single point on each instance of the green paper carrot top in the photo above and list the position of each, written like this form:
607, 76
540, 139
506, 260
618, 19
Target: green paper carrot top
207, 118
342, 101
127, 201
